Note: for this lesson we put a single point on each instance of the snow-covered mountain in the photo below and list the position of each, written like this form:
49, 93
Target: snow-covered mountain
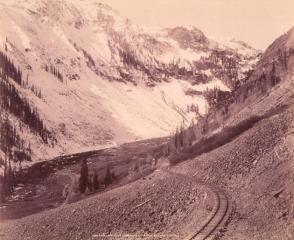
96, 78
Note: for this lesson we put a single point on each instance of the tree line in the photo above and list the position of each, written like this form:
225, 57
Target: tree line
14, 148
219, 103
9, 69
11, 101
15, 151
52, 69
91, 181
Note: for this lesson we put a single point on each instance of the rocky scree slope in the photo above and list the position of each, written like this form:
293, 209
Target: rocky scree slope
256, 169
162, 203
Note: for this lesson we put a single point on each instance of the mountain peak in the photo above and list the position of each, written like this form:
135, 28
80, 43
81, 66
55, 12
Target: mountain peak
65, 11
282, 43
188, 37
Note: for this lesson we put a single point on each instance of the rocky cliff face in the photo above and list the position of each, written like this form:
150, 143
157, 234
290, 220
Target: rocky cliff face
274, 70
276, 65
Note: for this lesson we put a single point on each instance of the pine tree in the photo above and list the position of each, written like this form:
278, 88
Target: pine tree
181, 136
108, 176
113, 176
176, 139
90, 183
83, 181
95, 181
273, 76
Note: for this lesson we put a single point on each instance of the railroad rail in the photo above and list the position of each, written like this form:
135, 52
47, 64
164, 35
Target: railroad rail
218, 217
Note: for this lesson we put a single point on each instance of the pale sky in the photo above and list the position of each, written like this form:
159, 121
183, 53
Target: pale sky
257, 22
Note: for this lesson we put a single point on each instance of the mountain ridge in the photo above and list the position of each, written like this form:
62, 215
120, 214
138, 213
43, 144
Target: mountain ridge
95, 66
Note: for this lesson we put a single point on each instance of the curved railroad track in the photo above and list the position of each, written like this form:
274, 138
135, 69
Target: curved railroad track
218, 217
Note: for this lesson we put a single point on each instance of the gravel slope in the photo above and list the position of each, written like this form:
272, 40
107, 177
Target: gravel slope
163, 203
256, 169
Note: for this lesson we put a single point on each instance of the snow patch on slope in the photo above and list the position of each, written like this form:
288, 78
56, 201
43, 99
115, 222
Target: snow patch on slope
59, 32
239, 46
101, 47
22, 35
152, 112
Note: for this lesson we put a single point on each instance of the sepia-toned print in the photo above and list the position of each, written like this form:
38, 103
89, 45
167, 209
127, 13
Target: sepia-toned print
146, 120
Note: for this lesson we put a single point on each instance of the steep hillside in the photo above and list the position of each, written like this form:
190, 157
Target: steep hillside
254, 162
275, 66
97, 79
256, 169
273, 71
